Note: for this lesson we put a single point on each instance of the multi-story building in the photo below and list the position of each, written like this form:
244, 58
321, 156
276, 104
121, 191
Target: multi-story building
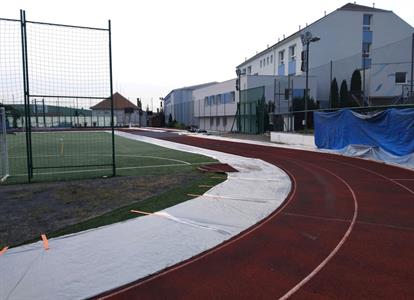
179, 104
374, 42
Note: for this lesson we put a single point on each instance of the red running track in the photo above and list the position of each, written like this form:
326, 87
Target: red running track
345, 232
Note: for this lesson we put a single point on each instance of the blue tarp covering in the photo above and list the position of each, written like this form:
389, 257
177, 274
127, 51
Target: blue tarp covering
391, 130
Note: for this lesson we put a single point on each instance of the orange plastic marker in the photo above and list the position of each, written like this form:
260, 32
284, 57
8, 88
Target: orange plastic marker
3, 250
140, 212
45, 242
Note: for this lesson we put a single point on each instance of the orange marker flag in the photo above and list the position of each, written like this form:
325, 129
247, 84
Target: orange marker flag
45, 242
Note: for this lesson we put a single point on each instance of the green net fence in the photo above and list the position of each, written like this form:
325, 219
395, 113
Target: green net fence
56, 88
251, 111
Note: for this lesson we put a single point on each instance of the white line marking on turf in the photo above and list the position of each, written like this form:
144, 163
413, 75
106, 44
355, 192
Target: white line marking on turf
109, 155
107, 169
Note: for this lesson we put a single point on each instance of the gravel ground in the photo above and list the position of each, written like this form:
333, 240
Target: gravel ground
26, 211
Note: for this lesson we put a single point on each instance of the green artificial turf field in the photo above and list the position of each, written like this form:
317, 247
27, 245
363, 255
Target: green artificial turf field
68, 155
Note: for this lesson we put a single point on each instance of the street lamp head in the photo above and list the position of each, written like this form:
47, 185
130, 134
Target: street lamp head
238, 72
315, 39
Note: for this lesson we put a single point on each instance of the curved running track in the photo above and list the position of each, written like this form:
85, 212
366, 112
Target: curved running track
345, 232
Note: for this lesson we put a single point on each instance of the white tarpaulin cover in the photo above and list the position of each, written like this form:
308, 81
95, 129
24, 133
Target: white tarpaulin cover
88, 263
360, 151
377, 154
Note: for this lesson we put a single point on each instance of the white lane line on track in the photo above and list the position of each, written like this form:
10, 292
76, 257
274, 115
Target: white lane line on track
347, 221
375, 173
218, 248
336, 249
316, 217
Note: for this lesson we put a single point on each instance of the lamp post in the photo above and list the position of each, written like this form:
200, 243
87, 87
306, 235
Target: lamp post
238, 85
306, 40
364, 57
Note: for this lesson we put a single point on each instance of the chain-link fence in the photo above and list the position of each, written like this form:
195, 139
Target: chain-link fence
365, 82
52, 79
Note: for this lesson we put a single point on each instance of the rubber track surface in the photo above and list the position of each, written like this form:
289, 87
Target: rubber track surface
311, 237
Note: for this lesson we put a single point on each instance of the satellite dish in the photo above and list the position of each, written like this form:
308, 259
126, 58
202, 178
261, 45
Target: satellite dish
308, 35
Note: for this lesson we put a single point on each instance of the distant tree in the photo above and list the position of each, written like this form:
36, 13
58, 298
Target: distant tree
343, 94
14, 113
298, 104
334, 93
356, 84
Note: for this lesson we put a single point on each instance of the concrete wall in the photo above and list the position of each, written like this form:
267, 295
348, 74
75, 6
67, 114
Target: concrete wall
293, 139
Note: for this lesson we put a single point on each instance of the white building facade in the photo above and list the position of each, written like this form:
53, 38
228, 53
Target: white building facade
215, 106
179, 105
375, 42
353, 37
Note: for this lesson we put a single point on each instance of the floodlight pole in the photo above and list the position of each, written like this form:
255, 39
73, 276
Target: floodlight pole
307, 86
314, 39
363, 76
412, 67
238, 87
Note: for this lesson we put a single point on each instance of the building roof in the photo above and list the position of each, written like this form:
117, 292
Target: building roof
348, 7
120, 103
190, 88
357, 7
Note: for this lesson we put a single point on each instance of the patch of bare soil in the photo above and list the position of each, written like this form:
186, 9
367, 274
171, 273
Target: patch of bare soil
26, 211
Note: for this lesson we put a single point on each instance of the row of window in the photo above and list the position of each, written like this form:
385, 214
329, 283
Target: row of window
266, 61
220, 99
218, 119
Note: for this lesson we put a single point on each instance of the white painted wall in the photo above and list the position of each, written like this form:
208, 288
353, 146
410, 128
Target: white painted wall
215, 113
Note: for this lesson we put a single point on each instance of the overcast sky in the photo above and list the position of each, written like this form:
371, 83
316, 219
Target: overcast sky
159, 45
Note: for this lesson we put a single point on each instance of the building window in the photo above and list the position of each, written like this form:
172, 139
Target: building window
218, 99
271, 59
281, 57
260, 63
249, 70
268, 60
366, 49
205, 101
401, 77
292, 52
367, 21
244, 71
217, 121
287, 94
211, 121
233, 96
224, 122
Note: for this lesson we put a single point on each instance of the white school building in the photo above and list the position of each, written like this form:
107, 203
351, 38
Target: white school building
376, 42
